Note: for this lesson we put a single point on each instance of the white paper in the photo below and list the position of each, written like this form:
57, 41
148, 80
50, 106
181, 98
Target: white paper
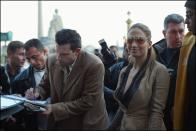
6, 102
36, 102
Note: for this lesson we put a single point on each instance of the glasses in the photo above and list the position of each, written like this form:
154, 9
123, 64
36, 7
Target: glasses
138, 40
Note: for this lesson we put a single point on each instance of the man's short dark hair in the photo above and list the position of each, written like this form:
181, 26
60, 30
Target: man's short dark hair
34, 43
68, 36
14, 45
173, 18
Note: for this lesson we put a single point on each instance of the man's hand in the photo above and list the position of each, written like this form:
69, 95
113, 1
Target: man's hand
11, 119
32, 94
48, 110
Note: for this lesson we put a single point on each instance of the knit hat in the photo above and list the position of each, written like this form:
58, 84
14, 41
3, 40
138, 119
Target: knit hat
190, 4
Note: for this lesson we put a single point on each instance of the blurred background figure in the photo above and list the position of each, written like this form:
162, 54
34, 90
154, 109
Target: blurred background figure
110, 83
114, 50
97, 53
109, 57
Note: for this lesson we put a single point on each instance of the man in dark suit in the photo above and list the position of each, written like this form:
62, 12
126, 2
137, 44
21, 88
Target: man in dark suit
74, 80
167, 52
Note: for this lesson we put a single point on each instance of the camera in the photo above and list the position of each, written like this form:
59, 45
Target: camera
108, 57
103, 44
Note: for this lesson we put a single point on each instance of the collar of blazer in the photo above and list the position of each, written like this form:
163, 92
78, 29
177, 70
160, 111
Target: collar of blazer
75, 72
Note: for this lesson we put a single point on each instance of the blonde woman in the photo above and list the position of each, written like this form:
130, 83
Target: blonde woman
142, 86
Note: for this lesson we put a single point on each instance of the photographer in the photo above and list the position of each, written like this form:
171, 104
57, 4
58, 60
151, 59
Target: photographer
108, 57
112, 70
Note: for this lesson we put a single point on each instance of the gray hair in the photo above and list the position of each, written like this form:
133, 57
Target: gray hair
173, 18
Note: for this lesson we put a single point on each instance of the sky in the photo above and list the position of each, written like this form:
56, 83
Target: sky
93, 20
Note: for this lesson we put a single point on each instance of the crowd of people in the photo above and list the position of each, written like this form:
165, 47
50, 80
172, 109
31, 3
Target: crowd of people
152, 87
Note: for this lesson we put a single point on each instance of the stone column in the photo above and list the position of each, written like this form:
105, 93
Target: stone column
40, 26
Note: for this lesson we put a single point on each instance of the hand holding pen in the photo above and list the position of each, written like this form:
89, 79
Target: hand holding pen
32, 94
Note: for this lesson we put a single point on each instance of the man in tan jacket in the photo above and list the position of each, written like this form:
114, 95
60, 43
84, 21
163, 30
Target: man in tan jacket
74, 80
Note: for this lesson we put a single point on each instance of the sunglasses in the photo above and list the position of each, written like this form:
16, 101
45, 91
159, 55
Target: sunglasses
138, 40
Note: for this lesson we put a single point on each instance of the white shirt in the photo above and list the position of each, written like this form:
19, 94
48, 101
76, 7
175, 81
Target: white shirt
38, 74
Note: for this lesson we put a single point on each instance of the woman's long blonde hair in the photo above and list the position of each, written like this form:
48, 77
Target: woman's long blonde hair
147, 32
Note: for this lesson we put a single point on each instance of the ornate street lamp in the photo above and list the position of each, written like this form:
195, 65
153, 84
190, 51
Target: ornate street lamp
129, 21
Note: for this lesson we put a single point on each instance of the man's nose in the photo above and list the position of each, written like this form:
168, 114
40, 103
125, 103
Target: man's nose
179, 36
32, 61
23, 58
58, 57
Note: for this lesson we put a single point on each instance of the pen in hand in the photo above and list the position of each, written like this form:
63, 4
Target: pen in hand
31, 94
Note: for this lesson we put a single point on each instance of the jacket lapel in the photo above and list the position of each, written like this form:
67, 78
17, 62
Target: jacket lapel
74, 74
124, 76
58, 79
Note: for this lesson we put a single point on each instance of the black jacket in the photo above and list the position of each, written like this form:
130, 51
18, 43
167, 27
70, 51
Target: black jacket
24, 81
190, 113
169, 58
112, 75
4, 82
